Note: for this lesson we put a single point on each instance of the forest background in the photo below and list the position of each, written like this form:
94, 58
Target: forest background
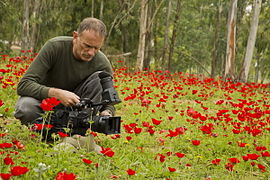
217, 38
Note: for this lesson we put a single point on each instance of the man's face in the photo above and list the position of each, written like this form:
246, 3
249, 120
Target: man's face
86, 44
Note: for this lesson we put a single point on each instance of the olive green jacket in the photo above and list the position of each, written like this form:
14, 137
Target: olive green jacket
55, 66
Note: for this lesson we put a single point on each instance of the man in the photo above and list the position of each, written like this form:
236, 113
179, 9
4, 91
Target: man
66, 68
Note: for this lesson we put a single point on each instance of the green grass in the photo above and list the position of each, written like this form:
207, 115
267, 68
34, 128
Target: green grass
168, 96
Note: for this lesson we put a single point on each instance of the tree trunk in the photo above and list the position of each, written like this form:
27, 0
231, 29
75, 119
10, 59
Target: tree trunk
166, 35
258, 71
155, 42
251, 40
25, 33
101, 9
214, 62
148, 36
34, 24
174, 33
124, 28
143, 28
230, 50
93, 8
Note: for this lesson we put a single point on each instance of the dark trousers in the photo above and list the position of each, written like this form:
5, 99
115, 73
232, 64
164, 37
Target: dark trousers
28, 109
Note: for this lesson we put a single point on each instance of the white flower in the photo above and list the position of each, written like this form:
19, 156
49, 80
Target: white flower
41, 168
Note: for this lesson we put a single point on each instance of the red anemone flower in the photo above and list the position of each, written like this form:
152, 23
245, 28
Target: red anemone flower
261, 167
229, 166
128, 138
253, 156
107, 152
196, 142
234, 160
131, 172
5, 176
8, 161
6, 145
180, 155
216, 161
265, 154
18, 170
156, 122
65, 176
61, 134
171, 169
49, 103
87, 161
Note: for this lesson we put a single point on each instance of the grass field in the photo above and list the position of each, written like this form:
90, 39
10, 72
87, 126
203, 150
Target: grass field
174, 126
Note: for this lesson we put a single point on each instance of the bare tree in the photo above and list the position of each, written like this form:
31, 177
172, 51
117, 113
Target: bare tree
174, 33
143, 28
251, 40
148, 36
231, 34
34, 29
93, 8
25, 29
214, 54
166, 34
101, 9
118, 19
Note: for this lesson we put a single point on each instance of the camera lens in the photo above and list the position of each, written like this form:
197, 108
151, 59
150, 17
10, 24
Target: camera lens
106, 124
106, 82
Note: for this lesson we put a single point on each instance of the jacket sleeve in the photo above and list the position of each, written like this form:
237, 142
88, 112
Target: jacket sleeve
108, 69
30, 84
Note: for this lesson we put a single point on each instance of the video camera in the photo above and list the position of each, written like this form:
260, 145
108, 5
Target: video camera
80, 117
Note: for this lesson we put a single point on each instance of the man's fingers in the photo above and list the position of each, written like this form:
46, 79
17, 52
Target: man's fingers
106, 113
72, 102
67, 98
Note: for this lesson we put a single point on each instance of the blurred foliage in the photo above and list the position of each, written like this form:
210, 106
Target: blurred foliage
199, 30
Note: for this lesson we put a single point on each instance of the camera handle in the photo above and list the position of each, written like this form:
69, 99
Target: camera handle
87, 103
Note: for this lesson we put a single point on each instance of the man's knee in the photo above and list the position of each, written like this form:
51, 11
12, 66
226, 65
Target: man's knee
27, 110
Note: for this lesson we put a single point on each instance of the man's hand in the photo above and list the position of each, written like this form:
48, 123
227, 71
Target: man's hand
67, 98
106, 113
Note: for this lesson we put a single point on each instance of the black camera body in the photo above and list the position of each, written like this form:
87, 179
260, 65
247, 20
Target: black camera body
79, 118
